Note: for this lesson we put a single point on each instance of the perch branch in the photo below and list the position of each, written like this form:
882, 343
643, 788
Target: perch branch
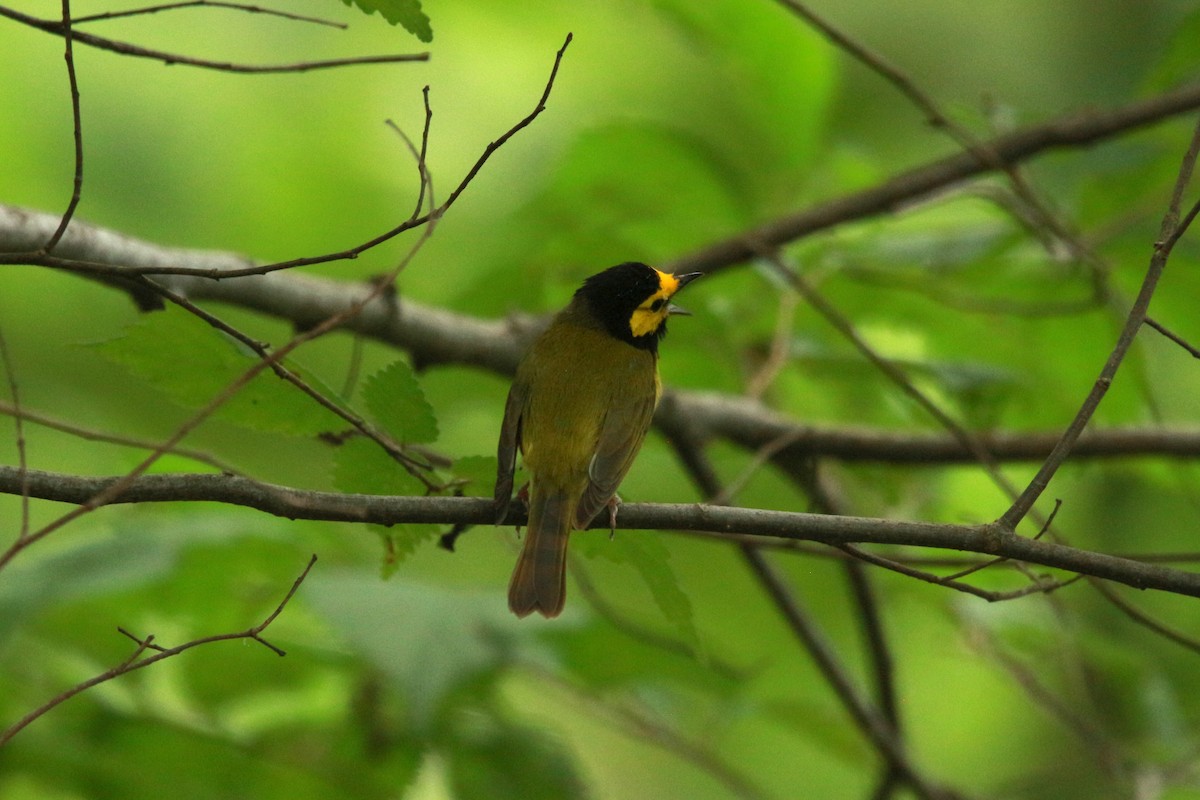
986, 538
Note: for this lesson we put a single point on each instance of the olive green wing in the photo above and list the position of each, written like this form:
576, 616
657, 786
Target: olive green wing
510, 443
621, 436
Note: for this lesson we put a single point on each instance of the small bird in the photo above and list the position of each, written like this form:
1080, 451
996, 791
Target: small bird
578, 411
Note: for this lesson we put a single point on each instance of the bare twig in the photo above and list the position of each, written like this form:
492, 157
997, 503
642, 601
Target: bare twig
137, 660
881, 734
24, 414
1172, 228
270, 12
1036, 586
10, 375
416, 221
77, 130
125, 48
1032, 212
321, 328
966, 439
878, 727
1145, 620
416, 467
1011, 148
1174, 337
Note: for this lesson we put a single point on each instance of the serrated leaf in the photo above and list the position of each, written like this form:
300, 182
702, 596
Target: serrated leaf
396, 401
651, 560
191, 363
406, 13
363, 467
400, 542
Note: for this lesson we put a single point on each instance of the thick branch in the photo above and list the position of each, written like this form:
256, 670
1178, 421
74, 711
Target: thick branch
436, 336
988, 538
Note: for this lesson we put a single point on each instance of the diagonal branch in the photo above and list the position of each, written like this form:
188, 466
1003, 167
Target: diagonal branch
1021, 145
1172, 229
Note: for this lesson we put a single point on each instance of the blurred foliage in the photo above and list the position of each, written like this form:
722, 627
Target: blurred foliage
670, 674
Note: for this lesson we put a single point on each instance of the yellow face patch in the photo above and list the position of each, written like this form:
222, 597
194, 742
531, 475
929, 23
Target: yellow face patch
652, 313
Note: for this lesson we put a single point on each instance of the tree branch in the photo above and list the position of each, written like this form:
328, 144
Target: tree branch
1173, 228
1070, 131
435, 336
282, 501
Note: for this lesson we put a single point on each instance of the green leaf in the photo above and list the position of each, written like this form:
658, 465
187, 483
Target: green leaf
478, 474
400, 542
650, 558
407, 13
363, 467
492, 760
396, 401
192, 363
430, 641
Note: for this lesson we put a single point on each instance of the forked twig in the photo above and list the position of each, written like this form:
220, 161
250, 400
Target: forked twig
1173, 227
272, 358
137, 660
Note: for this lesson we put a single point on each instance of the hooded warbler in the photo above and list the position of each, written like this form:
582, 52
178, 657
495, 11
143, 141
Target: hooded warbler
578, 411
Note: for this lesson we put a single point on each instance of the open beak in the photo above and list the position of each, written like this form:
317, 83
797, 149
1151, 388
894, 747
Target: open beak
684, 280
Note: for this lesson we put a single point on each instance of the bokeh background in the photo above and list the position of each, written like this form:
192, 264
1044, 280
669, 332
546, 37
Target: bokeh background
671, 125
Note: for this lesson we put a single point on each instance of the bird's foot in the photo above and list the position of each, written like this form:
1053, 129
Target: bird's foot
614, 503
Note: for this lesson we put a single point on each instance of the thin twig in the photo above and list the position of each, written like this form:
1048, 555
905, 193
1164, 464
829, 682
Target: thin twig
418, 468
1172, 229
10, 374
1036, 586
127, 49
878, 728
330, 323
13, 410
1174, 337
111, 15
881, 734
136, 660
341, 255
1145, 620
77, 130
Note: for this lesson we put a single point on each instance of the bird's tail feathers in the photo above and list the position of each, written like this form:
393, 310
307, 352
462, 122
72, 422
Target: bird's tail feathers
539, 582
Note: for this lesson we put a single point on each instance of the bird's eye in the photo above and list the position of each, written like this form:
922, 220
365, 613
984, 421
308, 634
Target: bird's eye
657, 304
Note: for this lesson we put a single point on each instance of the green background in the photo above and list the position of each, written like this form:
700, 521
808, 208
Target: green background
671, 125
